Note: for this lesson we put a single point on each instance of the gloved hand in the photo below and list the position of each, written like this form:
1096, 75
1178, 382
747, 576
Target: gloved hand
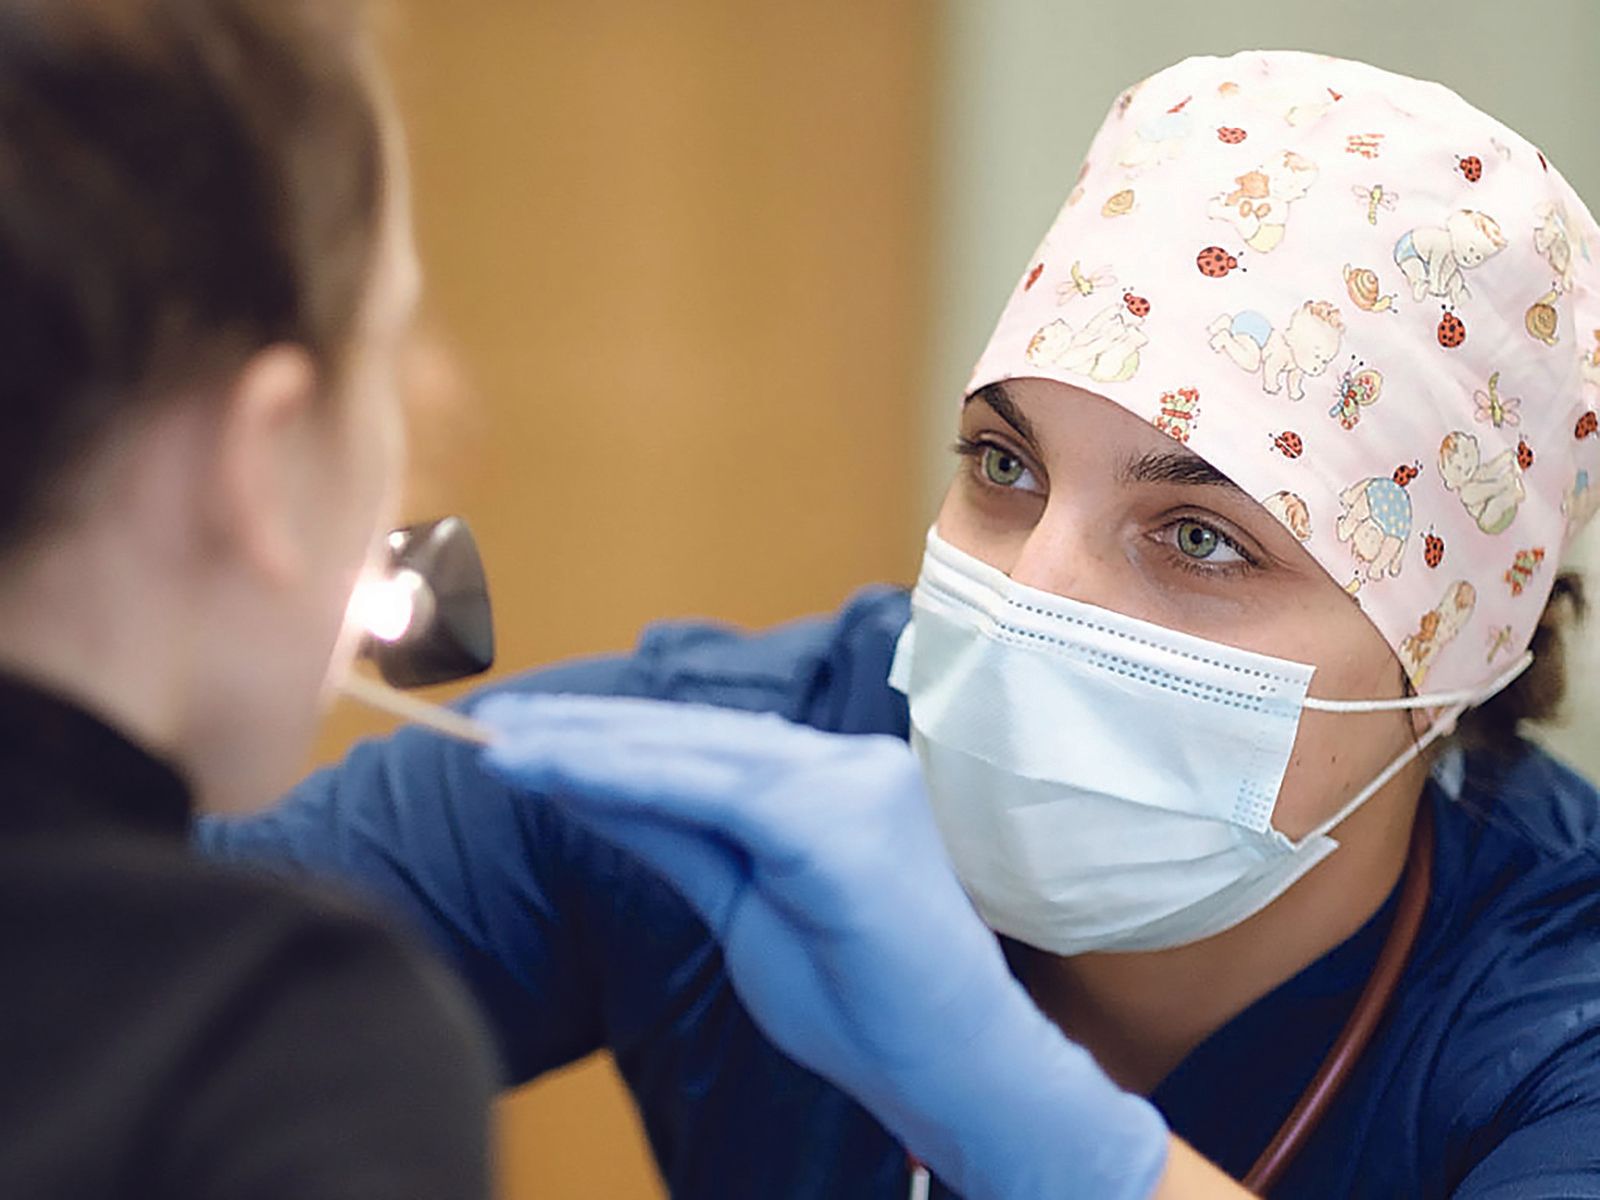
815, 862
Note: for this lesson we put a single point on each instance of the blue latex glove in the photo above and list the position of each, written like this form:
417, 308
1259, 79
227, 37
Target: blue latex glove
815, 862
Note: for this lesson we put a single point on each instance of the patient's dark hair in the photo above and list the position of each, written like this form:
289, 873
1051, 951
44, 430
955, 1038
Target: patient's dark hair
182, 182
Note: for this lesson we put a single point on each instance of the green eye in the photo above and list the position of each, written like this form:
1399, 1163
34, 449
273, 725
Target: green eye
1197, 540
1001, 467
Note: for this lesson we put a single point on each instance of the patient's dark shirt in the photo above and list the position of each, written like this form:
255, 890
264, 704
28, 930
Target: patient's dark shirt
171, 1027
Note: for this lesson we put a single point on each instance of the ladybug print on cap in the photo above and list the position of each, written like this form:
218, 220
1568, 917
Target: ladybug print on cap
1215, 262
1452, 330
1471, 168
1524, 454
1288, 444
1406, 472
1588, 425
1231, 135
1432, 549
1033, 276
1137, 305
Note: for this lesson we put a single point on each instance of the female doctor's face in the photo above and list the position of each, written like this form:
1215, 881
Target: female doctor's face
1068, 493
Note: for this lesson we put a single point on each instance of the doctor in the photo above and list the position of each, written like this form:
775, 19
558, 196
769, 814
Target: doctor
1215, 676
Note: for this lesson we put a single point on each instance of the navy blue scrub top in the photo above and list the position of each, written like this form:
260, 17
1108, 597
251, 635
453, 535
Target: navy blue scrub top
1483, 1080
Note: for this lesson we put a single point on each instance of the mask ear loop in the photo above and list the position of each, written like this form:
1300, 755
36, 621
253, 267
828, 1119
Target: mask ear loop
1455, 703
1467, 697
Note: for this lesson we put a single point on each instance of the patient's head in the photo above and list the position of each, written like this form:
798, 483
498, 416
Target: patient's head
206, 274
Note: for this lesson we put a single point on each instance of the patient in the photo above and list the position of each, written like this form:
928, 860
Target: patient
205, 276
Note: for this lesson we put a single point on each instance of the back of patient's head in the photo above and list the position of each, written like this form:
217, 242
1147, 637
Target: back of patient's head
205, 280
182, 182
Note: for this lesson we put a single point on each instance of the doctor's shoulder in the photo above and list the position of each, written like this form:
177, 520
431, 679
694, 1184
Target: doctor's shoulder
1511, 981
1517, 857
829, 670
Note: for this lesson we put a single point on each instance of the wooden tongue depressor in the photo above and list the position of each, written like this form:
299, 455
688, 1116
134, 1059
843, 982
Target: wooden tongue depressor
397, 703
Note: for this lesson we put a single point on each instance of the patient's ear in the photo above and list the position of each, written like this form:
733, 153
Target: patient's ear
264, 479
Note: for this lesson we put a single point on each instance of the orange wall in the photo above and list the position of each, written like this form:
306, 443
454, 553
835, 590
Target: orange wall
680, 251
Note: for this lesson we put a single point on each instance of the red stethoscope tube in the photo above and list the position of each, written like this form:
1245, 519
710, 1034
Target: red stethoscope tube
1373, 1002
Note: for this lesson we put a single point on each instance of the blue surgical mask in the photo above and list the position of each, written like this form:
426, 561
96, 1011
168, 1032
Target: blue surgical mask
1104, 783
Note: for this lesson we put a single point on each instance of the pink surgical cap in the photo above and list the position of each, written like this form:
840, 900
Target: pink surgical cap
1372, 306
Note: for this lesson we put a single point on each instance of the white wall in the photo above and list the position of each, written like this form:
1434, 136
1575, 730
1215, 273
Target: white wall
1028, 81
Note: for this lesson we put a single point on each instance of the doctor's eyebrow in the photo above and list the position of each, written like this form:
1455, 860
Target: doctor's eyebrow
1174, 466
996, 397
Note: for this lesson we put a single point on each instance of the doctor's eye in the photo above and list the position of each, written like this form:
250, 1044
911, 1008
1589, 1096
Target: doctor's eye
1205, 547
1197, 540
1001, 466
997, 466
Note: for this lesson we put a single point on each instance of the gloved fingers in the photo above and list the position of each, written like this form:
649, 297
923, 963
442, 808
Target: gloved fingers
603, 769
647, 725
817, 814
702, 765
596, 779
